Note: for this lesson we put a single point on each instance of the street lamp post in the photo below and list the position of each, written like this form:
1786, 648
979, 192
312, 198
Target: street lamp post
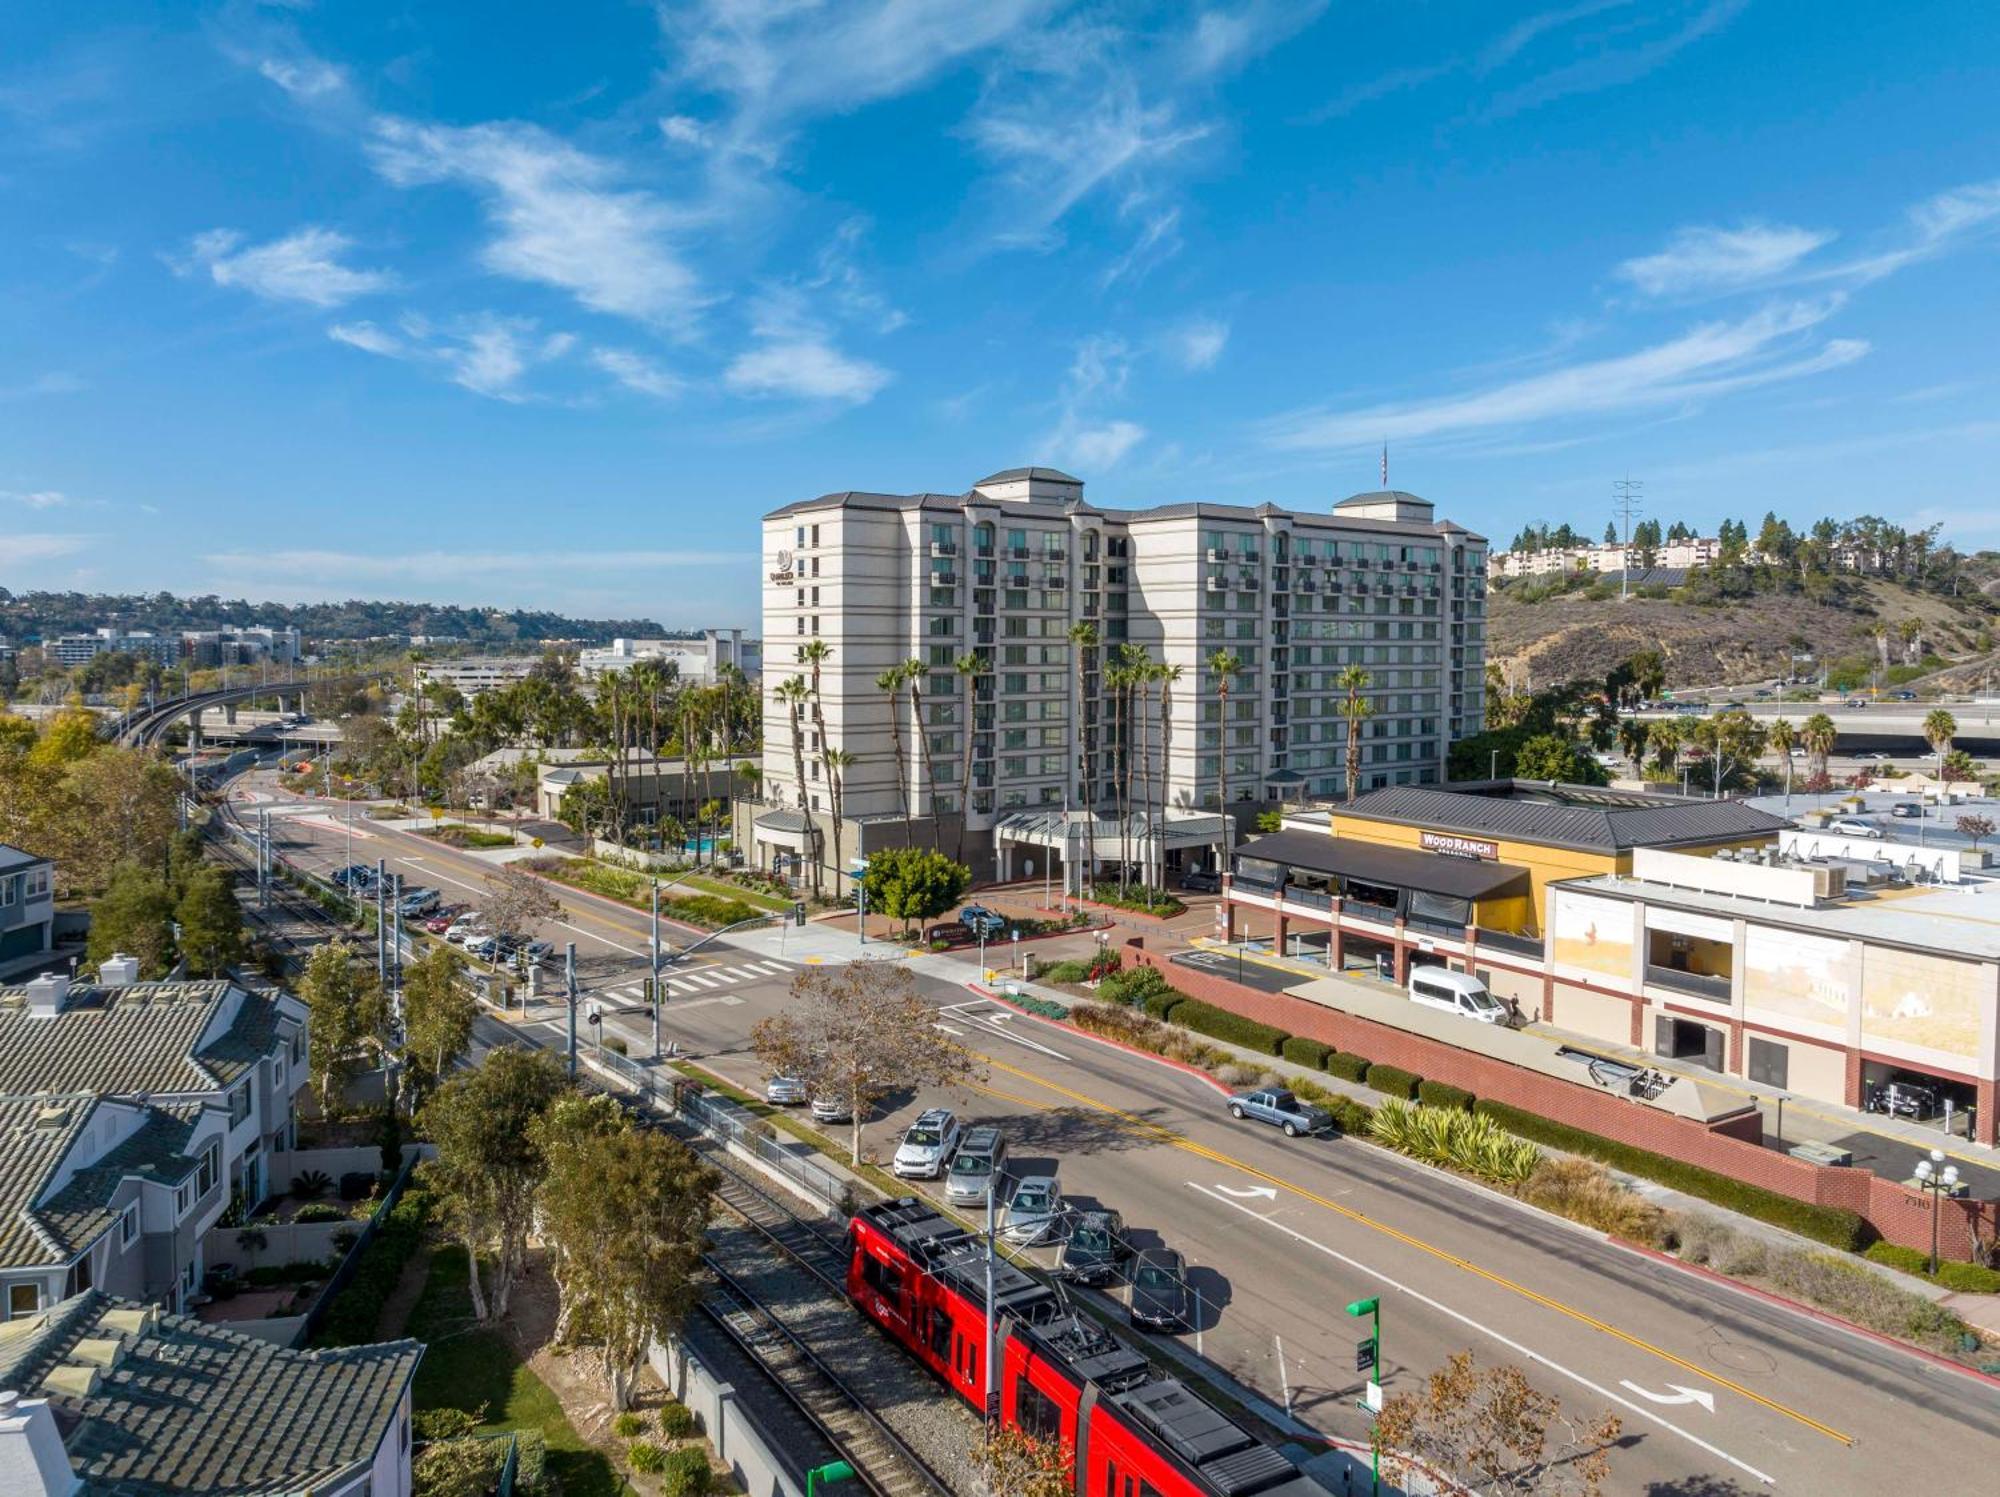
1368, 1359
858, 867
1938, 1180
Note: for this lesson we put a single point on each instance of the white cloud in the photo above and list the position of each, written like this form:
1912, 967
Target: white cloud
1098, 372
1101, 446
23, 548
559, 216
686, 130
1227, 35
1196, 345
636, 372
41, 499
448, 566
1605, 61
367, 337
1712, 259
56, 382
1159, 240
808, 368
1933, 227
303, 78
486, 354
1709, 360
303, 266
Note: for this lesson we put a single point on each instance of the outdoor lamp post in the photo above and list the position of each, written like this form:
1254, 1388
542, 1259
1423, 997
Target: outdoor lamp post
858, 868
1368, 1359
1938, 1180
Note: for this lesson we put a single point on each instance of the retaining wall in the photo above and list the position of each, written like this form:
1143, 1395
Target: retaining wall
1899, 1214
736, 1438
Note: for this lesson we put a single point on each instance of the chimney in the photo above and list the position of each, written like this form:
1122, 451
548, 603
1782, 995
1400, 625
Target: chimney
33, 1462
46, 995
118, 970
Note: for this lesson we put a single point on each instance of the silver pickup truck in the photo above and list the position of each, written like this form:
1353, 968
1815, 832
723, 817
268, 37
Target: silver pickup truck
1280, 1108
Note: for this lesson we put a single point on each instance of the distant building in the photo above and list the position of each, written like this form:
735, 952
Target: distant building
1696, 551
70, 650
27, 909
694, 660
208, 649
472, 676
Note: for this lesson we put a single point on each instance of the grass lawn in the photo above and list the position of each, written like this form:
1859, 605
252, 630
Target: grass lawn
458, 834
728, 890
467, 1368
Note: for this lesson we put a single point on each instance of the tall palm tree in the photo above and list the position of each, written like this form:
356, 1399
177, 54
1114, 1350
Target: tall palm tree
1633, 734
1166, 675
1119, 675
838, 762
794, 692
1817, 738
1357, 709
970, 666
1083, 638
1224, 665
891, 682
815, 655
1665, 738
1783, 739
914, 669
1142, 667
1940, 727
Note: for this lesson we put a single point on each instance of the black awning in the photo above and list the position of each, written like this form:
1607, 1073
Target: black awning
1348, 857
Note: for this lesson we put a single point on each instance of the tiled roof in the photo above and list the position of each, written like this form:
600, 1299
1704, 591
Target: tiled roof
12, 857
1577, 816
158, 1150
192, 1408
35, 1134
141, 1039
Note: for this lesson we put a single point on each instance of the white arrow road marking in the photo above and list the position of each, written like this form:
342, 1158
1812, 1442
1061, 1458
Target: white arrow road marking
1512, 1345
1249, 1193
949, 1030
1676, 1394
987, 1017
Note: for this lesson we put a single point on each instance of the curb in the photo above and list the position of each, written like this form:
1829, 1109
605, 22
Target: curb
1811, 1312
1178, 1065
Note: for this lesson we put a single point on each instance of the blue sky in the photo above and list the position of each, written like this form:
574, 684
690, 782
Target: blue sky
543, 305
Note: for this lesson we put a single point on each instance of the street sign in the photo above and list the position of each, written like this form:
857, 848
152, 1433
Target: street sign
1364, 1354
1372, 1399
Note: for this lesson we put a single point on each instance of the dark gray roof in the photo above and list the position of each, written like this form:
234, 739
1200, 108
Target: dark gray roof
37, 1134
1349, 857
1015, 475
1383, 496
12, 857
1575, 816
190, 1408
81, 1210
145, 1038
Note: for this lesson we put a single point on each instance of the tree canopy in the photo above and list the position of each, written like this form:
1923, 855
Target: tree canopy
914, 883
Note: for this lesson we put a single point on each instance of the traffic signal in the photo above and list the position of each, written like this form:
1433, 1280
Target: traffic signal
798, 912
1364, 1354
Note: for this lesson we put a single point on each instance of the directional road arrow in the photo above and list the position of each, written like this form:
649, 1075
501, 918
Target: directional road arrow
1249, 1193
1675, 1394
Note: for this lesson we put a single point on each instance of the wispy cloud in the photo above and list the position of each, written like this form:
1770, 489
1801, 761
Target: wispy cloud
367, 337
1711, 259
303, 77
1225, 36
39, 499
23, 548
1612, 59
1083, 435
637, 372
1712, 359
304, 266
805, 368
486, 354
560, 216
1196, 345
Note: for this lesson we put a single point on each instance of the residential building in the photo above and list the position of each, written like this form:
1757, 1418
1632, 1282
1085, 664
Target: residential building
694, 660
27, 909
131, 1114
654, 788
1695, 551
102, 1395
1017, 599
69, 650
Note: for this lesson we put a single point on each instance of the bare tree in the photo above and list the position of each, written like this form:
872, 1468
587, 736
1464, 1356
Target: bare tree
858, 1032
1490, 1431
515, 901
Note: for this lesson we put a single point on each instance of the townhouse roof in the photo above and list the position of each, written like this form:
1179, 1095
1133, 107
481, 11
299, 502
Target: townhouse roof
13, 857
1584, 817
186, 1408
145, 1038
37, 1133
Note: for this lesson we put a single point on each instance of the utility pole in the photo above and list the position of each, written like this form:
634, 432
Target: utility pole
1627, 501
990, 1404
381, 923
569, 991
655, 984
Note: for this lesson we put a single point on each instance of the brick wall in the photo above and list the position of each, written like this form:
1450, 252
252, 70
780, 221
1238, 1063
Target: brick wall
1730, 1147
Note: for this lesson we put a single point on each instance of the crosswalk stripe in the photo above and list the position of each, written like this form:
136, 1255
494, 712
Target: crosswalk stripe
706, 982
779, 962
680, 988
782, 969
745, 974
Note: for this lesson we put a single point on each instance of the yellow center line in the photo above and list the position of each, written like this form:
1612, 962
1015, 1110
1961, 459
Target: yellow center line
1168, 1136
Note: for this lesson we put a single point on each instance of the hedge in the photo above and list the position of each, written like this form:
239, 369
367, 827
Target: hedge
1394, 1081
1835, 1227
1968, 1278
1231, 1028
1348, 1066
351, 1315
1441, 1094
1301, 1051
1351, 1116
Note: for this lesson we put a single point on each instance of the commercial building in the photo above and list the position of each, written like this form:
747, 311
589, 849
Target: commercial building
101, 1395
1017, 600
69, 650
207, 649
472, 676
27, 909
697, 660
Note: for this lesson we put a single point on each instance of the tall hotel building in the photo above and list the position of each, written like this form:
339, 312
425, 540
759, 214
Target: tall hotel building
1043, 591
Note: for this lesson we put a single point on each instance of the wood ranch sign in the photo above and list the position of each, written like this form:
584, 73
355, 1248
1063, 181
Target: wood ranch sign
1454, 846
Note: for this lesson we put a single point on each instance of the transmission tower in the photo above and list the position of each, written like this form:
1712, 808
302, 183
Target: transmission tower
1628, 501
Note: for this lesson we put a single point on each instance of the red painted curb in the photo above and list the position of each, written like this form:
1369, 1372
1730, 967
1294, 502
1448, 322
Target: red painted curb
1811, 1312
1165, 1060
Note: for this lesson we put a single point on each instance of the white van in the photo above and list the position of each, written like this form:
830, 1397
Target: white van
1455, 993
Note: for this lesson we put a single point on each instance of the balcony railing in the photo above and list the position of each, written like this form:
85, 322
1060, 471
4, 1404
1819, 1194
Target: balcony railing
1311, 899
1699, 984
1503, 940
1374, 914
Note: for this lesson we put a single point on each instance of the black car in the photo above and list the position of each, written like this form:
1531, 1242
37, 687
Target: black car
1160, 1297
1096, 1250
1199, 881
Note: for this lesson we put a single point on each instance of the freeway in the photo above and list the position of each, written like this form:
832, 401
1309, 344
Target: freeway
1720, 1391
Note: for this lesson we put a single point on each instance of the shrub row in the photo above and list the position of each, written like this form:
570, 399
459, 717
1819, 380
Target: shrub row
1230, 1028
1301, 1051
1828, 1224
350, 1317
1967, 1278
1440, 1094
1394, 1081
1347, 1066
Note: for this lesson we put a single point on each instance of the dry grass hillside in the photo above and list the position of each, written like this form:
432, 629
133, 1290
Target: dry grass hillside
1574, 637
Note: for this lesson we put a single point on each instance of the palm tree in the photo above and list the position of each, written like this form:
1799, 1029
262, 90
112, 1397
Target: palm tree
891, 682
1783, 739
1666, 737
1142, 667
1356, 708
970, 666
1632, 736
1940, 727
838, 761
1224, 666
793, 692
1167, 676
1117, 682
815, 655
1083, 638
914, 669
1817, 739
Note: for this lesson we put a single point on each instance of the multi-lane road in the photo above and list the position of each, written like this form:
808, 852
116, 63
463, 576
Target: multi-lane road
1719, 1390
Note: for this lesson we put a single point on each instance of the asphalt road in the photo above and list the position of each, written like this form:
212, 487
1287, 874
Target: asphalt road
1719, 1391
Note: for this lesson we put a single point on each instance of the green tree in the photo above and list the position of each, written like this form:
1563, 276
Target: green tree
1817, 738
1633, 734
914, 883
1958, 765
1940, 727
1733, 742
585, 806
489, 1167
347, 1014
211, 922
135, 917
1783, 739
438, 1013
1550, 756
625, 1213
68, 738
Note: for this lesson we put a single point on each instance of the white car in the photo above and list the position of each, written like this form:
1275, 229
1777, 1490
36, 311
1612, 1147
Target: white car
1852, 826
927, 1148
465, 929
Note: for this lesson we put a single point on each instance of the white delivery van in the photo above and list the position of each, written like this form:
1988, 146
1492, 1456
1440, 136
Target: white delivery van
1456, 993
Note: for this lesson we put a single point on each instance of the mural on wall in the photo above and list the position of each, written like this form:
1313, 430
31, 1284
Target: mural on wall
1797, 976
1595, 934
1911, 999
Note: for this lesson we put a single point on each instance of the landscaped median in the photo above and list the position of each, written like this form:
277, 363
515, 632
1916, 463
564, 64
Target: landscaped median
709, 911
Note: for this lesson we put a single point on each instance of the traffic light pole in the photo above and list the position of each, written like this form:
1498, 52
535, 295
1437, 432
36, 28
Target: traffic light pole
655, 985
1368, 1358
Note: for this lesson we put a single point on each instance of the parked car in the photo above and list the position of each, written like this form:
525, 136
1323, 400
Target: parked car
419, 902
785, 1091
927, 1147
467, 927
1455, 993
354, 876
486, 947
1278, 1107
1908, 810
1095, 1252
1902, 1098
1904, 696
1852, 826
832, 1110
1202, 881
1160, 1297
981, 1156
1033, 1210
982, 921
537, 951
